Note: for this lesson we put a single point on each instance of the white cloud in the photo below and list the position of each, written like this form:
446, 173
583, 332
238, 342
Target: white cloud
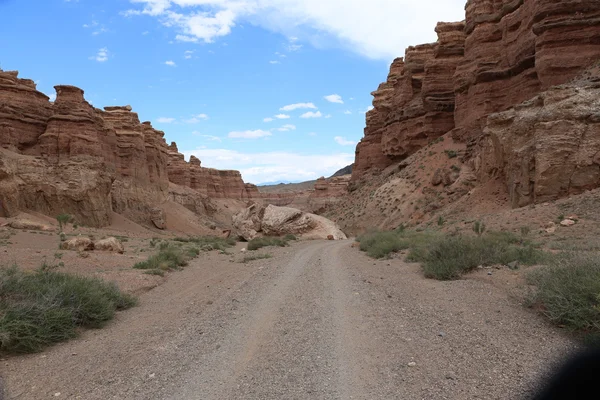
212, 138
287, 127
343, 141
170, 63
165, 120
312, 133
52, 96
258, 133
347, 112
196, 118
367, 110
145, 33
282, 116
351, 98
274, 62
367, 29
292, 107
328, 116
334, 98
312, 114
185, 38
273, 166
101, 56
188, 54
268, 119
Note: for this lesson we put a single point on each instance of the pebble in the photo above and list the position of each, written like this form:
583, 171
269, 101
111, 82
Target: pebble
152, 375
56, 394
412, 364
442, 334
489, 272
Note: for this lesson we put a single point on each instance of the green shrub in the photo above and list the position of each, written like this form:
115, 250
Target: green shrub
479, 227
208, 243
382, 244
168, 258
451, 153
258, 243
63, 220
568, 292
45, 307
449, 257
290, 237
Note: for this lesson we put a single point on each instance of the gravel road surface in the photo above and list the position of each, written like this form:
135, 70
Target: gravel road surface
319, 320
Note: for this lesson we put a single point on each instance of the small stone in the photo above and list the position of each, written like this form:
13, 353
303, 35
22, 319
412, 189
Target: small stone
152, 375
412, 364
442, 334
56, 394
567, 222
243, 250
489, 272
73, 354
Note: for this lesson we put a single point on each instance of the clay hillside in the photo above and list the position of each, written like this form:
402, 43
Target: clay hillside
500, 113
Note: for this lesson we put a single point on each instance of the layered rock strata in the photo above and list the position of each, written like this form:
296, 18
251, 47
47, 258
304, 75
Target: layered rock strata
67, 156
547, 147
504, 53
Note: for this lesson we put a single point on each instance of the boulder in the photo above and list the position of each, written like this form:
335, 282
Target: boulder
158, 218
278, 221
109, 244
79, 243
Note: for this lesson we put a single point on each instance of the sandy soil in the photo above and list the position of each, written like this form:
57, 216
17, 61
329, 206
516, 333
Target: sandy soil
319, 320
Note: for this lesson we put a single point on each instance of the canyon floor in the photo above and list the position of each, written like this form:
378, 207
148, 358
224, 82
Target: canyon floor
319, 320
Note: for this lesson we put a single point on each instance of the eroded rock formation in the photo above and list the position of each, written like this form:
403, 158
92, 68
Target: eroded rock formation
68, 156
547, 147
505, 52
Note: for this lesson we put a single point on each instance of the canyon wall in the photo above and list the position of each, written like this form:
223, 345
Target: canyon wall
68, 157
504, 53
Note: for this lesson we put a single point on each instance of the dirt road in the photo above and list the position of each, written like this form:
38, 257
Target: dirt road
318, 321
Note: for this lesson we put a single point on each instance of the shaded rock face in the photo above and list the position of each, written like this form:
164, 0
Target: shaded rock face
547, 147
505, 52
68, 156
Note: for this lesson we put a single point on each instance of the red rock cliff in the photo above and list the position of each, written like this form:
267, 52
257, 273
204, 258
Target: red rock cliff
505, 52
68, 156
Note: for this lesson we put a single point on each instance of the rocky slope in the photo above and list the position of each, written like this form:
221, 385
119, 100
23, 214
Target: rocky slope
68, 156
503, 105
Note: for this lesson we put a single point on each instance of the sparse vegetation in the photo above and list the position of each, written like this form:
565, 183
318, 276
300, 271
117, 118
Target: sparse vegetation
568, 292
441, 221
478, 227
447, 257
451, 153
207, 243
253, 257
258, 243
63, 220
44, 307
290, 237
169, 257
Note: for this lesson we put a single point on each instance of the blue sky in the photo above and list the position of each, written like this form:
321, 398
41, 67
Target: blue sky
277, 89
